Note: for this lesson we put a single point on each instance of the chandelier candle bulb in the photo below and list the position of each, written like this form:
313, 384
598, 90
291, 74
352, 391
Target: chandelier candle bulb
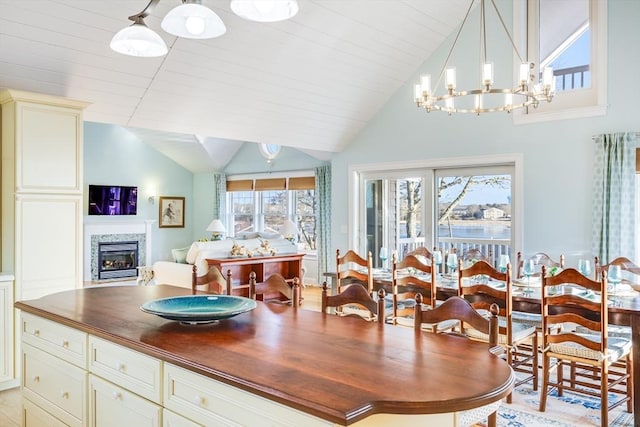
418, 93
547, 77
524, 74
449, 105
487, 75
508, 101
425, 82
451, 79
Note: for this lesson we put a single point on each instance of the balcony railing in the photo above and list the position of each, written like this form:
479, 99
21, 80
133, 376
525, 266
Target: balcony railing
492, 248
571, 78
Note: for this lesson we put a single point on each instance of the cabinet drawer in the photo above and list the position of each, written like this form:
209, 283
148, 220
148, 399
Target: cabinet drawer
35, 416
67, 343
55, 385
171, 419
211, 402
128, 368
111, 405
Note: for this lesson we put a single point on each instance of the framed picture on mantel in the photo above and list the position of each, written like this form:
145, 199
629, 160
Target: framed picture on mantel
171, 212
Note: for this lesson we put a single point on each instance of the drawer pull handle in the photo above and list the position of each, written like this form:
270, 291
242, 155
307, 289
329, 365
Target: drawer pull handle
64, 394
117, 395
65, 344
36, 379
36, 332
200, 400
121, 367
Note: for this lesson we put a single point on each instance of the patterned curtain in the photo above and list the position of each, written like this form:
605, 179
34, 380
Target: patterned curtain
614, 196
220, 185
323, 208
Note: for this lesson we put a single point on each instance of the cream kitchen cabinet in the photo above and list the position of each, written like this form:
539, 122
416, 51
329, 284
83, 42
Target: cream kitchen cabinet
7, 333
42, 192
110, 405
54, 373
42, 198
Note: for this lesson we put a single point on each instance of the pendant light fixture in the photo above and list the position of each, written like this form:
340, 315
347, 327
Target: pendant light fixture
265, 10
138, 40
192, 20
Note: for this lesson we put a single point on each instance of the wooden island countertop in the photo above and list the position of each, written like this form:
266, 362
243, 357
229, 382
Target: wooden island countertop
342, 370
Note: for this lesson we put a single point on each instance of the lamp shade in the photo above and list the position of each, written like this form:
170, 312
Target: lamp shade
193, 21
289, 229
138, 40
265, 10
216, 226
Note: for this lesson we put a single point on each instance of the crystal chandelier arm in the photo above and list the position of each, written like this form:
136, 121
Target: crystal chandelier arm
504, 26
145, 12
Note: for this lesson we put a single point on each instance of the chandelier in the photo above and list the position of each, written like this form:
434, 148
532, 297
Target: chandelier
192, 20
526, 91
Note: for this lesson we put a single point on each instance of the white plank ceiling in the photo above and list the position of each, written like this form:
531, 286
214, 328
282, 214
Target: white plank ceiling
311, 82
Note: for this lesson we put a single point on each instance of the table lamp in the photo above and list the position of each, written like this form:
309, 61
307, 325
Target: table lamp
217, 229
289, 230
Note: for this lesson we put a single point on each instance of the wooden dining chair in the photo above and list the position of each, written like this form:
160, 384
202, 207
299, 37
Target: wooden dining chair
539, 259
460, 310
408, 277
473, 255
625, 264
275, 289
478, 284
213, 281
423, 254
590, 357
347, 272
355, 300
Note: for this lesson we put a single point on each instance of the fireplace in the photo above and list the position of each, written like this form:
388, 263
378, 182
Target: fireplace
117, 259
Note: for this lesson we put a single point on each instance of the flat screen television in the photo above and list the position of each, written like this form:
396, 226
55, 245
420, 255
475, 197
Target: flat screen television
112, 200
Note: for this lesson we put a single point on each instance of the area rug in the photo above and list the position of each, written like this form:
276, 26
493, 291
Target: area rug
570, 410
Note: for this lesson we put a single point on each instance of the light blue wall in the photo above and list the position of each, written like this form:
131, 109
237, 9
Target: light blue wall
558, 155
112, 155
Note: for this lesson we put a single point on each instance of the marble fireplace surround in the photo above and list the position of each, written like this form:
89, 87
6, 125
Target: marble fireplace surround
95, 232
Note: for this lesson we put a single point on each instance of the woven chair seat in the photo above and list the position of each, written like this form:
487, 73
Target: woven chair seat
612, 331
531, 319
519, 331
616, 348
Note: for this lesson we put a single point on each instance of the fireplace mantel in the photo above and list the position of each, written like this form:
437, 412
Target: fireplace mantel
114, 228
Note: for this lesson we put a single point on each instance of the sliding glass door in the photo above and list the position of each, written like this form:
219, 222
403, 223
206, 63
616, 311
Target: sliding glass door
461, 208
474, 210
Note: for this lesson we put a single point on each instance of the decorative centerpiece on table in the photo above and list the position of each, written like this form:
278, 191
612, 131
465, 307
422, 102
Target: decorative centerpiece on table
239, 250
265, 249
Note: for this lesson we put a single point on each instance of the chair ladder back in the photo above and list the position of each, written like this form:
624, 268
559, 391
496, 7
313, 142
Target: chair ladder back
344, 270
355, 294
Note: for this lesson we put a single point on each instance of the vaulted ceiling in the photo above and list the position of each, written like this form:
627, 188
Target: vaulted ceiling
311, 82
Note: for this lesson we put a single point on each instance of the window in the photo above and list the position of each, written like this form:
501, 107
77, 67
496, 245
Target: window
243, 207
265, 204
570, 36
465, 207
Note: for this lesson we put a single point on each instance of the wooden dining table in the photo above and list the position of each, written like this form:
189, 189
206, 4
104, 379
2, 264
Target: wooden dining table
624, 310
338, 369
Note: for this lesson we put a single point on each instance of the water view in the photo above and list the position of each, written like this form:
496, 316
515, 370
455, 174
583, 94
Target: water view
476, 231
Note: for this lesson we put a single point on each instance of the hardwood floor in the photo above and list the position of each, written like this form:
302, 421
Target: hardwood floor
10, 408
